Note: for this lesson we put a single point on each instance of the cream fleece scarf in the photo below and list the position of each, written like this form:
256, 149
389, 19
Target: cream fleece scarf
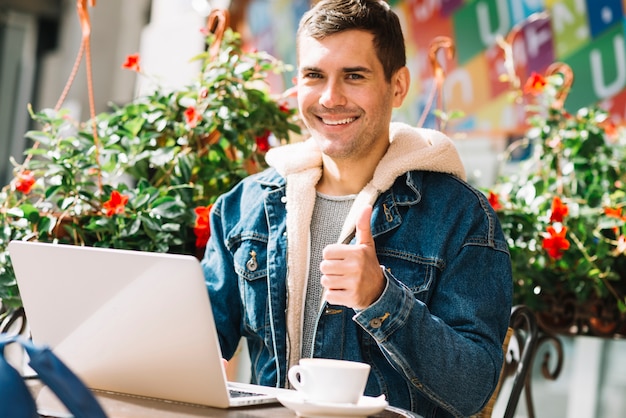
301, 164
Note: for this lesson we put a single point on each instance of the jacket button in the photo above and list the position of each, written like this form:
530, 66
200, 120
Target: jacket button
251, 264
283, 199
378, 322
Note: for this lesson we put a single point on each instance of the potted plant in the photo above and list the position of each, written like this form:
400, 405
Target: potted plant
143, 175
563, 210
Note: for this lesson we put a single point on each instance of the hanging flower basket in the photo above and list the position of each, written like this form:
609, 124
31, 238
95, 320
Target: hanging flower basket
144, 175
565, 313
563, 212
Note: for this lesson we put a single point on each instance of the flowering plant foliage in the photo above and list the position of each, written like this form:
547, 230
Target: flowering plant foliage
562, 209
146, 177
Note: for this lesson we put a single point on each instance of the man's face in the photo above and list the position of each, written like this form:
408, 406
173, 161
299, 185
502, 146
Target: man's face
343, 96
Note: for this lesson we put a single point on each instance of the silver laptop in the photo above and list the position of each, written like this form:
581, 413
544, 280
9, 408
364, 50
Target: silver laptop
132, 322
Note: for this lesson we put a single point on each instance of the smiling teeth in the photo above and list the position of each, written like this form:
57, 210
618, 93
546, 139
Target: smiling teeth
338, 122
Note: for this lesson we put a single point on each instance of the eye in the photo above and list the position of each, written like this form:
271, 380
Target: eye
312, 74
354, 76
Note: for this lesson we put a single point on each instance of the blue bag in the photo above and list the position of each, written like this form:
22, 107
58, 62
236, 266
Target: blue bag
16, 400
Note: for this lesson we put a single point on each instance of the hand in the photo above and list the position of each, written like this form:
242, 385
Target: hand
351, 274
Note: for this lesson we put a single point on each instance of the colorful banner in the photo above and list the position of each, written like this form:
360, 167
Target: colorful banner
588, 35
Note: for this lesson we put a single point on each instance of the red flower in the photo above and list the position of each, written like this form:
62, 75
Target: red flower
535, 84
555, 242
609, 129
132, 63
262, 142
559, 210
202, 227
192, 117
24, 181
614, 213
116, 204
494, 201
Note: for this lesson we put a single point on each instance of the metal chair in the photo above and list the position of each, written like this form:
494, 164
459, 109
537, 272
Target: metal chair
12, 321
523, 328
526, 333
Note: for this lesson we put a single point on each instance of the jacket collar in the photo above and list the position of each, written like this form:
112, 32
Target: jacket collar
409, 149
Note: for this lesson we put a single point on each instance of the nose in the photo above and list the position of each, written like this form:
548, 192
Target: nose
332, 94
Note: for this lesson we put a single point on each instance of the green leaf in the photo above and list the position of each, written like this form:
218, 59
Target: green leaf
39, 136
30, 212
170, 227
167, 208
133, 126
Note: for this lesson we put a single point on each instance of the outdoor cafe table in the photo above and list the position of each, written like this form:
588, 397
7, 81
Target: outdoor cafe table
117, 406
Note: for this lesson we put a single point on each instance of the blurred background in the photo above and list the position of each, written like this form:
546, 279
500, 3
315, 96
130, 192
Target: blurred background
40, 39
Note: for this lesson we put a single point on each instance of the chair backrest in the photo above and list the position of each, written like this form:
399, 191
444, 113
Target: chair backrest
523, 326
12, 321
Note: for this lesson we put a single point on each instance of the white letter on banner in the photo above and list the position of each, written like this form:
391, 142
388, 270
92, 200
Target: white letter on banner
562, 16
487, 36
536, 38
601, 89
459, 77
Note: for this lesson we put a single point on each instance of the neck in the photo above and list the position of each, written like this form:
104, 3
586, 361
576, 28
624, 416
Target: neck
340, 178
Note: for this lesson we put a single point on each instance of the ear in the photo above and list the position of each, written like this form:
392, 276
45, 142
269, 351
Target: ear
400, 82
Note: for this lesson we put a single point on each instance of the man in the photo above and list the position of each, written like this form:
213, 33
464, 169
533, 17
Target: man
422, 292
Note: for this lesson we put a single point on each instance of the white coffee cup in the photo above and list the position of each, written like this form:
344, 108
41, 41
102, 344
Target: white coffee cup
329, 381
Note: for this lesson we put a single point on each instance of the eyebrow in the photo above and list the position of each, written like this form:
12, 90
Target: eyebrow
357, 69
314, 69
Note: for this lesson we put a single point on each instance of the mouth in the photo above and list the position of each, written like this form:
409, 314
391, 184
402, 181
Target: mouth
336, 122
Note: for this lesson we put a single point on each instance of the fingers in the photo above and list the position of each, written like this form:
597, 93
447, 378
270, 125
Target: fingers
351, 274
363, 229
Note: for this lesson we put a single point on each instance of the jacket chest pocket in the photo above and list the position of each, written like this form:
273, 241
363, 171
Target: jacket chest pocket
250, 261
416, 273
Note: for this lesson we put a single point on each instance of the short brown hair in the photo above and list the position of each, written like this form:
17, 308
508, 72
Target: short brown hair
328, 17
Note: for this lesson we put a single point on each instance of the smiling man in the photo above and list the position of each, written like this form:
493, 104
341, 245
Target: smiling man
363, 242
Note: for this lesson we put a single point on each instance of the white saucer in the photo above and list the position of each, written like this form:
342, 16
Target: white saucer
367, 405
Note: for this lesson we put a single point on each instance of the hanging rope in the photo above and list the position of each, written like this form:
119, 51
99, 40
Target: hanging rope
85, 49
508, 45
439, 76
568, 79
216, 23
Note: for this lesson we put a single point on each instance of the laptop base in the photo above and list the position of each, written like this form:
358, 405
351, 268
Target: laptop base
128, 406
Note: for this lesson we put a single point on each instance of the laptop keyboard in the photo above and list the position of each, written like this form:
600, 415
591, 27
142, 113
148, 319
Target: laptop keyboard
235, 393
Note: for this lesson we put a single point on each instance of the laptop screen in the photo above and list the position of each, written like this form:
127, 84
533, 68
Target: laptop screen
124, 321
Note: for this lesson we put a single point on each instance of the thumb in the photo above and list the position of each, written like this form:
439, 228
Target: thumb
363, 230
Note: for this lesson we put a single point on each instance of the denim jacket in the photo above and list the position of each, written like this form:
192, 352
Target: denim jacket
433, 339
